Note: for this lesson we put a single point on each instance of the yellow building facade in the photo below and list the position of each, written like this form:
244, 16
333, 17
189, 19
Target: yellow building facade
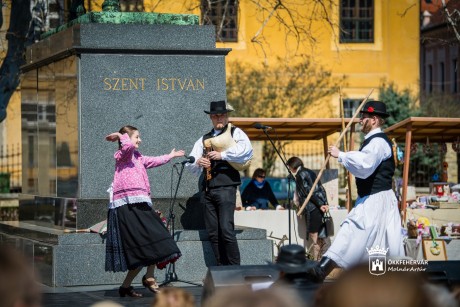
391, 56
389, 51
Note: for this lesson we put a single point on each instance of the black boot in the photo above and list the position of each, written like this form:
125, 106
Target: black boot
322, 269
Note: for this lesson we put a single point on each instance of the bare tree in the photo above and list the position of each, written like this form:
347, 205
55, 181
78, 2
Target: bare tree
278, 90
1, 15
16, 36
441, 30
452, 18
293, 18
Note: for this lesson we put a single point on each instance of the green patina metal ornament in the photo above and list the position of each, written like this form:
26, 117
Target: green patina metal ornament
81, 10
111, 6
111, 14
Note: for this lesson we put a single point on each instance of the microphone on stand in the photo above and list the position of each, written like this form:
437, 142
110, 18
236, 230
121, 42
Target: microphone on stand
260, 126
189, 159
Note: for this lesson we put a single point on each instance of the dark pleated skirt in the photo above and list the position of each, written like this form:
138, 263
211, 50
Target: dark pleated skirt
137, 237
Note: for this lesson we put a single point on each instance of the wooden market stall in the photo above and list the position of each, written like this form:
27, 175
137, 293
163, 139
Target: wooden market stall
294, 129
417, 130
300, 129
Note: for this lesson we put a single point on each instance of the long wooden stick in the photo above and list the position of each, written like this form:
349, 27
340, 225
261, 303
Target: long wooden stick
342, 116
329, 155
345, 148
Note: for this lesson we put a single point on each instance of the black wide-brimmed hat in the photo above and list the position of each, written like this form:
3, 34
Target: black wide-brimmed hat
292, 259
375, 107
218, 107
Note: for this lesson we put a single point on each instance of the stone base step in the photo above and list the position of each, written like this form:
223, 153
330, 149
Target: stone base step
78, 259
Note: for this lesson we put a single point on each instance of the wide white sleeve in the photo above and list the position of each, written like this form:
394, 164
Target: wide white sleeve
197, 152
363, 163
240, 153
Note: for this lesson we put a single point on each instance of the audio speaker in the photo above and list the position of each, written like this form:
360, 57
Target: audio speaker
236, 275
444, 272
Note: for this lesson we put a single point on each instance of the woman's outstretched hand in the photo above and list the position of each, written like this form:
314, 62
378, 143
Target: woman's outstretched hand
178, 153
113, 137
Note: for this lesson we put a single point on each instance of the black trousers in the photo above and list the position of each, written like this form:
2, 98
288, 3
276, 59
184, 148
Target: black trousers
219, 211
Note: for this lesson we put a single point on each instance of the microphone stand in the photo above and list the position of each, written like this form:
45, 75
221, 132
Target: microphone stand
290, 177
171, 275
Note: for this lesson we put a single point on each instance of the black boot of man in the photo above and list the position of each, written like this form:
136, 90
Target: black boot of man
319, 272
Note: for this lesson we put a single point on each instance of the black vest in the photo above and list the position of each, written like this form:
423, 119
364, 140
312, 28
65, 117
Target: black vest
223, 174
381, 179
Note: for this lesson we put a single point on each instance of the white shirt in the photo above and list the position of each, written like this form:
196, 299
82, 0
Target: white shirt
240, 153
363, 163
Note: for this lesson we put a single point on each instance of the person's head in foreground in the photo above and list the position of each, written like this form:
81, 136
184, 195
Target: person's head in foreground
357, 287
245, 297
173, 297
18, 285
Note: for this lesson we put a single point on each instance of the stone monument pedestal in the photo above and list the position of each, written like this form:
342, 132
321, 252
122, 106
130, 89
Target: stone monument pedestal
78, 259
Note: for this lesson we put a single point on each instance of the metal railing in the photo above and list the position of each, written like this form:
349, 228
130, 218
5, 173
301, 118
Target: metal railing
10, 168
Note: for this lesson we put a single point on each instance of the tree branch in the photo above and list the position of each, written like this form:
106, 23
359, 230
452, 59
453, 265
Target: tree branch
264, 23
450, 19
16, 36
403, 14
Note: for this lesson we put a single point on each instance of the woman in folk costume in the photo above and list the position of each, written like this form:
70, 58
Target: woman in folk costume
375, 221
136, 236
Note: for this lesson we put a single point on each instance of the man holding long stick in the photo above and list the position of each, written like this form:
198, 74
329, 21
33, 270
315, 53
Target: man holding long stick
375, 221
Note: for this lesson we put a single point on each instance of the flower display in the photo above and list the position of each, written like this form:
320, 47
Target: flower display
423, 222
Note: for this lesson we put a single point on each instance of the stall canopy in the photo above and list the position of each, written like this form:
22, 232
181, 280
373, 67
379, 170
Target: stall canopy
422, 129
286, 129
436, 129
